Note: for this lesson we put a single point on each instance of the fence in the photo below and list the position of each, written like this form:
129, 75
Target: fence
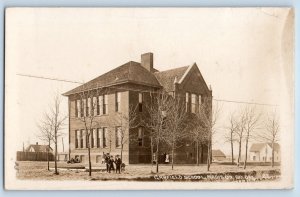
34, 156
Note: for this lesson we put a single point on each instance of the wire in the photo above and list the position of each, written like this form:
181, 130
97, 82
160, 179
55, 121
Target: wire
140, 90
48, 78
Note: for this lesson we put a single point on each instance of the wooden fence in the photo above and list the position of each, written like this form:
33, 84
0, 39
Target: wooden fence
34, 156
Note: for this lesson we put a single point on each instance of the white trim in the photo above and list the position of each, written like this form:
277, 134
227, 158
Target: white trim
186, 72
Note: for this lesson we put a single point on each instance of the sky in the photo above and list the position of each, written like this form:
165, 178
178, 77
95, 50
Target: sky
243, 54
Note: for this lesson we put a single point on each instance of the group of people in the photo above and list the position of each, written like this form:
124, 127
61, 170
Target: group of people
112, 164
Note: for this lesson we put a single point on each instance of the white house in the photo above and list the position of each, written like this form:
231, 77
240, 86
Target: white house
262, 152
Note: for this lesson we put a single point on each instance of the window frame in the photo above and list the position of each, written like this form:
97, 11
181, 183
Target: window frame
140, 137
118, 141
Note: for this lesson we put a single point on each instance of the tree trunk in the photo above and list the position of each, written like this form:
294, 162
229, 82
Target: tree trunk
151, 151
246, 153
173, 156
197, 153
272, 154
232, 157
239, 157
48, 166
55, 156
208, 156
90, 164
157, 156
121, 152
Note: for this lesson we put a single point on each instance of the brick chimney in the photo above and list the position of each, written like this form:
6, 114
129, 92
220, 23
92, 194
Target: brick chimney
37, 143
147, 61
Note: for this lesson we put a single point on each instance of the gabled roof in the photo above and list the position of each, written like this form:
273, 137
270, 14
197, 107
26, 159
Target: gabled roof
39, 148
167, 78
129, 72
218, 153
256, 147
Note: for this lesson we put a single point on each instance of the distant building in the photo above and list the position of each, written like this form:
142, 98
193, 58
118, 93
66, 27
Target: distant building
36, 152
132, 84
262, 152
62, 156
218, 155
39, 148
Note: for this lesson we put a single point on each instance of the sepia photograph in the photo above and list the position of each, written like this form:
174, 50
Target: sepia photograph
149, 98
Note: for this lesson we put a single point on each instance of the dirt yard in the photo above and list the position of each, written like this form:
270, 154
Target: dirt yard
38, 171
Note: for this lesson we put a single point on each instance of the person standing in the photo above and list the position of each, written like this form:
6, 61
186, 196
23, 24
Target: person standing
118, 162
111, 164
107, 162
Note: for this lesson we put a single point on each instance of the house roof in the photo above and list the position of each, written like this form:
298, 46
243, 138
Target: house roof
167, 78
218, 153
255, 147
129, 72
134, 72
38, 148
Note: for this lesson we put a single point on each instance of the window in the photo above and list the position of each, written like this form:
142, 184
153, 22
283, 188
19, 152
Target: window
94, 106
86, 137
100, 104
84, 107
193, 103
118, 137
141, 136
105, 104
199, 101
81, 138
88, 107
92, 138
140, 102
105, 140
118, 101
77, 137
186, 101
81, 108
98, 138
77, 108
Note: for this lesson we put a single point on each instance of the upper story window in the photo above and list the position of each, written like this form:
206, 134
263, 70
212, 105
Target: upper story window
193, 103
78, 108
118, 101
141, 102
100, 105
118, 137
94, 106
88, 107
105, 104
140, 136
186, 101
84, 108
199, 101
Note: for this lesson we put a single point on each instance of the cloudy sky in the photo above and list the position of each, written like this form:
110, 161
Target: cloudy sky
240, 52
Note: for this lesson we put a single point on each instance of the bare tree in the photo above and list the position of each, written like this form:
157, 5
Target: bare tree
240, 133
87, 112
270, 134
46, 134
156, 112
176, 124
54, 120
207, 118
231, 135
252, 118
124, 123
